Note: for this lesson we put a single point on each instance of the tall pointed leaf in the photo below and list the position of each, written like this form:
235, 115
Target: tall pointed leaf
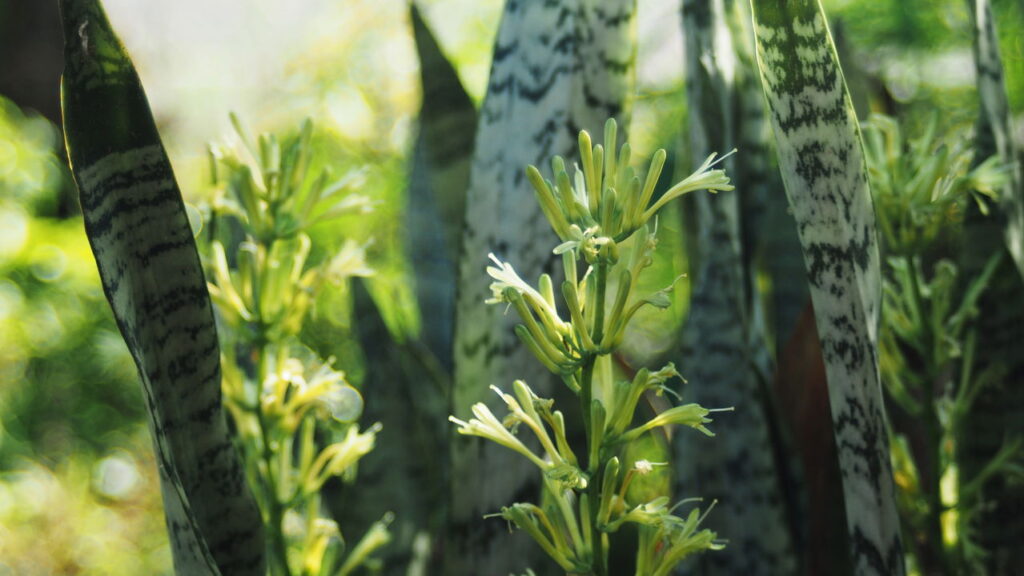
720, 341
147, 259
558, 67
822, 163
406, 383
437, 190
402, 474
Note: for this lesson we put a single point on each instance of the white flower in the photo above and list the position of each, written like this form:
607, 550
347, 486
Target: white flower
703, 179
339, 457
692, 415
349, 262
506, 277
486, 425
649, 513
585, 242
645, 467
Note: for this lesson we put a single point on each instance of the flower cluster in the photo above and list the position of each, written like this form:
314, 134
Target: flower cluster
280, 394
599, 212
564, 346
604, 202
921, 185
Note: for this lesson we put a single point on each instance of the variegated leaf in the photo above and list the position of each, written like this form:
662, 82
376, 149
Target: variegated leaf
822, 163
721, 342
559, 66
136, 223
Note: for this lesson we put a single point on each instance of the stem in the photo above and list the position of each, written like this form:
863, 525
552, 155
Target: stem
594, 466
275, 510
935, 556
587, 380
601, 279
567, 515
923, 318
275, 514
934, 493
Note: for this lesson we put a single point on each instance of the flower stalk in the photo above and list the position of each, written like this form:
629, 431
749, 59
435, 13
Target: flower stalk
598, 213
922, 187
279, 394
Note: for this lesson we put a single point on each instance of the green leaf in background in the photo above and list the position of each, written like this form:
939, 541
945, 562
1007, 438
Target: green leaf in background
403, 474
770, 240
822, 163
558, 67
406, 382
140, 236
437, 190
721, 340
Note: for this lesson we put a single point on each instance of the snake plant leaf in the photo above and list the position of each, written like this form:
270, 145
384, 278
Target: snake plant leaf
720, 339
437, 190
558, 67
406, 396
822, 162
140, 236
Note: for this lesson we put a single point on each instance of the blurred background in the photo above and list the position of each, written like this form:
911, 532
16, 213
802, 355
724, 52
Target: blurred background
78, 490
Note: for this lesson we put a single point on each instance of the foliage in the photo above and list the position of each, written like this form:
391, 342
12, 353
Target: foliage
76, 470
920, 184
30, 174
86, 515
920, 50
69, 400
928, 333
64, 384
821, 159
281, 395
604, 205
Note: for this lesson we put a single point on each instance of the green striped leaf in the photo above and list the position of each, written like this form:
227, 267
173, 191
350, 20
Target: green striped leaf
559, 66
406, 383
721, 339
822, 163
139, 232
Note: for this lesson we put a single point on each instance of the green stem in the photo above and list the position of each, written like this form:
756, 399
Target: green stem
275, 510
935, 506
275, 515
917, 297
935, 547
586, 398
597, 333
601, 280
